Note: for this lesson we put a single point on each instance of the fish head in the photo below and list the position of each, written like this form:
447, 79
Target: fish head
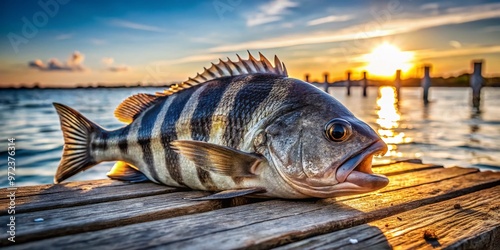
322, 150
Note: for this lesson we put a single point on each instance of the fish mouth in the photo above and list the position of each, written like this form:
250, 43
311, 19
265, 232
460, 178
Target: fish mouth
355, 175
360, 162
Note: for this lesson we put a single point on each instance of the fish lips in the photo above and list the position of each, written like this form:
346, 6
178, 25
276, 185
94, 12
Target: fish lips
357, 170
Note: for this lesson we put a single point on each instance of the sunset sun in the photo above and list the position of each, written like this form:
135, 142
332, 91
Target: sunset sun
385, 59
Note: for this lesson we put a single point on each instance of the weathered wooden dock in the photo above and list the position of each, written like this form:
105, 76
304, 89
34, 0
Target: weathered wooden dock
425, 206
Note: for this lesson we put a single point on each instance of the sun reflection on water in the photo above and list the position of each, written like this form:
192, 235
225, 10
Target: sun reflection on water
389, 119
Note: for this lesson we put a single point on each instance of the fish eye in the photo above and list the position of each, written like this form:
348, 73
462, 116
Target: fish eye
338, 130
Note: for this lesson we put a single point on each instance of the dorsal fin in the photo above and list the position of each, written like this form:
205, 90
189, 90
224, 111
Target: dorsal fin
128, 110
230, 68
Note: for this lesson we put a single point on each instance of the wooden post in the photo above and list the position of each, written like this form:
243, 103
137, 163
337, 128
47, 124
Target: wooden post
307, 77
476, 83
426, 82
348, 83
397, 82
365, 83
327, 84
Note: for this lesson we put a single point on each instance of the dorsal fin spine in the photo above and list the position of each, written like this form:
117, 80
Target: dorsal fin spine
193, 79
208, 72
267, 65
235, 66
245, 64
277, 64
226, 64
219, 70
254, 62
230, 68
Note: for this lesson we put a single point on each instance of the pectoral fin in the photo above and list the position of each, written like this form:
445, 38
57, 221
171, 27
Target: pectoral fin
227, 194
218, 159
124, 172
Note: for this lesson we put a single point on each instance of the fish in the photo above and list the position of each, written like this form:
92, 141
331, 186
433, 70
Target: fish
240, 128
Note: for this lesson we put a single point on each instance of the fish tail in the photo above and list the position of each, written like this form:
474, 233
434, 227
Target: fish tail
78, 132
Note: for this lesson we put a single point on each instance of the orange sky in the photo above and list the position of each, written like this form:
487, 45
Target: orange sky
90, 42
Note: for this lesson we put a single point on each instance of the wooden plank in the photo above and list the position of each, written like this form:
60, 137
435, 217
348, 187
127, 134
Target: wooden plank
270, 223
80, 194
402, 167
424, 176
65, 221
63, 187
465, 222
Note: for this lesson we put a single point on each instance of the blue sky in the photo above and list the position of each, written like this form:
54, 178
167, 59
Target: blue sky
162, 41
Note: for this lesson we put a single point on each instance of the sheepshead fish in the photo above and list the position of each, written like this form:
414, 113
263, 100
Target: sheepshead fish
239, 128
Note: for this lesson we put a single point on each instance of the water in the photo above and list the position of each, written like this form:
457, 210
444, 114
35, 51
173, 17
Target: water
447, 131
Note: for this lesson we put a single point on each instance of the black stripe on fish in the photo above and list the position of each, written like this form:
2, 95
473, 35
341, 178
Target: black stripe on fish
208, 100
246, 102
169, 134
123, 139
101, 143
144, 138
201, 121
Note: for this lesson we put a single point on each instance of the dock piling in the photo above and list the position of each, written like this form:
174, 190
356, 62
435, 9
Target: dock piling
397, 81
325, 76
365, 84
348, 83
426, 83
307, 77
476, 83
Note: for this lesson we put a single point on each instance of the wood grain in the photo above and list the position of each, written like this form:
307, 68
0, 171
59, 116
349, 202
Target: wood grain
65, 221
402, 167
271, 223
67, 195
464, 222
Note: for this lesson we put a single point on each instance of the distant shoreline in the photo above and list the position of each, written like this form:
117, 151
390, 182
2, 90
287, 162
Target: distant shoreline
459, 81
313, 83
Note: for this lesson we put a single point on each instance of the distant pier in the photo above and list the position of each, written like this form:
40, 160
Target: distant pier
475, 80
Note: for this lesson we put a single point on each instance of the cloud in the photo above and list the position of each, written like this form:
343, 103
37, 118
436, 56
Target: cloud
135, 26
302, 39
330, 19
430, 7
118, 68
372, 29
269, 12
429, 54
108, 60
74, 63
64, 37
455, 44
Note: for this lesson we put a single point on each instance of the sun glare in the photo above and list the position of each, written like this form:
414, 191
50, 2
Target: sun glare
385, 59
389, 119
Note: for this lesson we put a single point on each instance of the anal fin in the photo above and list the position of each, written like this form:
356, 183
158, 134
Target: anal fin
228, 194
124, 172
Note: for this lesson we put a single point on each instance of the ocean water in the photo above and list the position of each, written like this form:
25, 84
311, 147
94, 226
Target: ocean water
447, 131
